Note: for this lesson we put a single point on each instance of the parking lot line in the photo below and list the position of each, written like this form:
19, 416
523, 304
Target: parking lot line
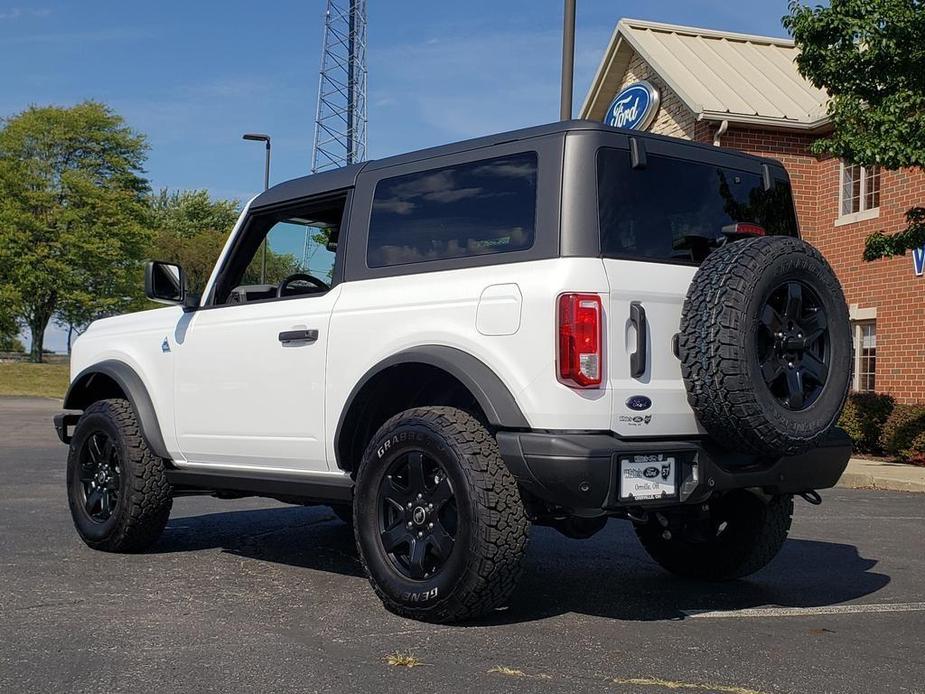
806, 611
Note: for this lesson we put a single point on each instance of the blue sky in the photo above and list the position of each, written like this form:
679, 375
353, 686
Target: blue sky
195, 75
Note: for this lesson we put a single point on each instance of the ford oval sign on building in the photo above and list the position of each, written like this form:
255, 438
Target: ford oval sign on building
634, 107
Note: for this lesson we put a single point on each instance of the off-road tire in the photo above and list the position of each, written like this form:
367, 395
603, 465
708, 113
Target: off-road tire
492, 535
755, 533
144, 501
718, 346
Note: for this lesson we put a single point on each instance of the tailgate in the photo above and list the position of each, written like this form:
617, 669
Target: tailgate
645, 301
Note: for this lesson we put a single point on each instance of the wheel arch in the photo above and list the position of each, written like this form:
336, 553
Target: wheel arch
116, 379
457, 372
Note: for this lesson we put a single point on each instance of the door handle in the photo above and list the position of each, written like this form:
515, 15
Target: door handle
298, 336
639, 357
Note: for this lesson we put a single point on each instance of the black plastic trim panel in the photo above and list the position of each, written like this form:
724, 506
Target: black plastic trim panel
580, 471
322, 488
80, 396
487, 388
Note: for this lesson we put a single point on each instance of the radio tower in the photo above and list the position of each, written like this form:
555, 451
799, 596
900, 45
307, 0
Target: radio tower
340, 124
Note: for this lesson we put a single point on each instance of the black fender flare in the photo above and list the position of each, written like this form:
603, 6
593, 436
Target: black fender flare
79, 397
487, 388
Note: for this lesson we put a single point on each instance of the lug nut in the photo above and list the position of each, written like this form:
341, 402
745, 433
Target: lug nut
409, 524
420, 534
430, 505
420, 495
430, 525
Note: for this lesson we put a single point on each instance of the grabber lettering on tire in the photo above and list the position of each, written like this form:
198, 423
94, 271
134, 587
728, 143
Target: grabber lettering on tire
439, 522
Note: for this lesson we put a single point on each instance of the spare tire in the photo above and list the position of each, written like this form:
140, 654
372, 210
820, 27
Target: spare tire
765, 346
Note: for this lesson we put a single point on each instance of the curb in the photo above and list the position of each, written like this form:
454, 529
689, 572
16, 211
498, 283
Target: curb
870, 474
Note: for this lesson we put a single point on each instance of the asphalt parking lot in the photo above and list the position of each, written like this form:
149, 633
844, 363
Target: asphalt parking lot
252, 595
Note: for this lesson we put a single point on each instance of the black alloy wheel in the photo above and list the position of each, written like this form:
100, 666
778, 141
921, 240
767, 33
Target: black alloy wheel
117, 489
439, 522
417, 515
765, 346
793, 339
100, 476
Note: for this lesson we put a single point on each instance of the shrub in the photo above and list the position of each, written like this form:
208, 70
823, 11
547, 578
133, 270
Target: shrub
11, 343
915, 454
904, 432
863, 419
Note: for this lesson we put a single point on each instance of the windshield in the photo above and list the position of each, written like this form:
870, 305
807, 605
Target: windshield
677, 210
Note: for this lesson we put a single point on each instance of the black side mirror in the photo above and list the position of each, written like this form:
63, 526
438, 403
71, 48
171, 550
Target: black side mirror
333, 234
165, 283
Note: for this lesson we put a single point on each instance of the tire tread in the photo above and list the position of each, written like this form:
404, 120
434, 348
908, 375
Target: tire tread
714, 314
502, 525
707, 562
149, 497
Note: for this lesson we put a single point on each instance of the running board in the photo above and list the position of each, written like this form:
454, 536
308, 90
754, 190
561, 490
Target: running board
321, 488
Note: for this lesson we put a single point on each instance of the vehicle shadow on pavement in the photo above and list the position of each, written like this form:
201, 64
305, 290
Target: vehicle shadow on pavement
609, 575
303, 537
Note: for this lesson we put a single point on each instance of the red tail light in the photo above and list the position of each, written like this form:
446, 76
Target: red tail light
580, 345
744, 229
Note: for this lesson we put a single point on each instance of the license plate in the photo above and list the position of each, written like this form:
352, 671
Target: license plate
644, 477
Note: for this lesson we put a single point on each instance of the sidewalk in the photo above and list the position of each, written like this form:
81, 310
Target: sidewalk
874, 474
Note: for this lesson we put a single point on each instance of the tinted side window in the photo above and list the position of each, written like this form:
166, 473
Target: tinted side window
676, 210
459, 211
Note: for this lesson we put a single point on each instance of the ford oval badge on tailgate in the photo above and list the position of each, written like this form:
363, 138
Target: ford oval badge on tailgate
638, 403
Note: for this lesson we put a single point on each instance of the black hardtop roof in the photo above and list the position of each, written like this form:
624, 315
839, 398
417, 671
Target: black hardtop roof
345, 177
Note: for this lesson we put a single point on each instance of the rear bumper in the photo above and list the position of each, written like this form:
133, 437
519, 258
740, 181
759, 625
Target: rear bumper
581, 471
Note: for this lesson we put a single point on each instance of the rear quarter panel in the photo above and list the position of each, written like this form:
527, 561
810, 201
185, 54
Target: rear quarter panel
376, 318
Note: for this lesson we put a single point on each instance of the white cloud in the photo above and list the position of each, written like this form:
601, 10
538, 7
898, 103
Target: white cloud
17, 13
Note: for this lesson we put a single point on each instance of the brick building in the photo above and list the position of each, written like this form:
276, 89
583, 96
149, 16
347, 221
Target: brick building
744, 92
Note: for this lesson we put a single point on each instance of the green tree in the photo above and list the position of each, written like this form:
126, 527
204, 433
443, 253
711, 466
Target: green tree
72, 214
869, 56
9, 329
190, 229
10, 343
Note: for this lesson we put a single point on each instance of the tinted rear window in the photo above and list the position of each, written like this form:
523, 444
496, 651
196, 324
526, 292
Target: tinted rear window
460, 211
674, 210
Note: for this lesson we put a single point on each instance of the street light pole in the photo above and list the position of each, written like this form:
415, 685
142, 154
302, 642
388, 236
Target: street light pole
568, 60
260, 137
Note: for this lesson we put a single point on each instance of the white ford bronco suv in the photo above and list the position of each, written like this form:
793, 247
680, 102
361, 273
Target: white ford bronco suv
558, 325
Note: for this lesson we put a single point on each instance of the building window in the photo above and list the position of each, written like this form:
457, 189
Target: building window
865, 355
860, 189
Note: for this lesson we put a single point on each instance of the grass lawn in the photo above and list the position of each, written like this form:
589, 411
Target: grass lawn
39, 380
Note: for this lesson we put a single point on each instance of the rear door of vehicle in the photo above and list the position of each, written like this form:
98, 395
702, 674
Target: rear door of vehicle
662, 207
